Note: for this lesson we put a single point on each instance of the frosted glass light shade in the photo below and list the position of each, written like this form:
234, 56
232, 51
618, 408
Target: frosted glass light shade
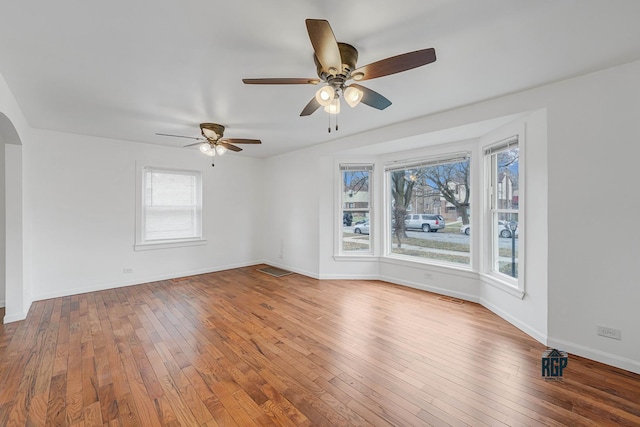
325, 95
334, 107
353, 96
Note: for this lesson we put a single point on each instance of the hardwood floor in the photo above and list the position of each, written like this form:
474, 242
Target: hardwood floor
241, 348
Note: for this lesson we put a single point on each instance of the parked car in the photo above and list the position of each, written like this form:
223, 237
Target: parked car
503, 229
424, 222
362, 228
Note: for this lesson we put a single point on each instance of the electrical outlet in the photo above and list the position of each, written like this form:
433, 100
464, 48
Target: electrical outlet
127, 270
616, 334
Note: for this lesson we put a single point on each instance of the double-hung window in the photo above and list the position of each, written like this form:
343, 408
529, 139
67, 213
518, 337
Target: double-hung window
355, 212
169, 208
504, 202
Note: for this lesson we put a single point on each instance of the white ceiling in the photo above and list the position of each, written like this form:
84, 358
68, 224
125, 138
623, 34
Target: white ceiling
128, 69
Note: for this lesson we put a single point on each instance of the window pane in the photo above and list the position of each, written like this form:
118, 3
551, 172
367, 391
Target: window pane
355, 210
507, 179
170, 189
172, 207
170, 223
504, 230
505, 243
429, 206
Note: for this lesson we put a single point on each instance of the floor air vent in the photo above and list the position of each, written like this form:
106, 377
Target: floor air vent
275, 271
451, 300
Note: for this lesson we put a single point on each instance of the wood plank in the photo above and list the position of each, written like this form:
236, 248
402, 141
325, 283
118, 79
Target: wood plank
240, 348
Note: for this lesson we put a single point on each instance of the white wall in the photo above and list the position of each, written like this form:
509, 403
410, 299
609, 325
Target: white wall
17, 300
594, 273
80, 194
290, 235
3, 227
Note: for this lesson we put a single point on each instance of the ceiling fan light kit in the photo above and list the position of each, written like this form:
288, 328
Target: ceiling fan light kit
336, 64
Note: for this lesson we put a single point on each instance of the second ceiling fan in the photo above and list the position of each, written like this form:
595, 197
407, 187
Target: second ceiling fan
213, 142
336, 65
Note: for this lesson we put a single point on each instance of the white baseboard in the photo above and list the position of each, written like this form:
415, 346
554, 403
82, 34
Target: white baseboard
286, 267
434, 289
14, 317
139, 281
524, 327
349, 277
597, 355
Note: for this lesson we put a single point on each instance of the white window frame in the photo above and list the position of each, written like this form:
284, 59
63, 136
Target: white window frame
514, 286
420, 162
141, 242
339, 250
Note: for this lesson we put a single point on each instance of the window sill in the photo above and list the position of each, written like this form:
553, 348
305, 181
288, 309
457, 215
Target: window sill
413, 261
356, 257
167, 244
502, 285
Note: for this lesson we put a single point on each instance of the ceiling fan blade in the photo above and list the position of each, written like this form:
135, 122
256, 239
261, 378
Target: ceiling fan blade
281, 81
230, 146
240, 141
372, 98
191, 145
395, 64
310, 108
325, 45
180, 136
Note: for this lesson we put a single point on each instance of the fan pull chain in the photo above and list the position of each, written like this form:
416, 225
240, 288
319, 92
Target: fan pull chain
329, 128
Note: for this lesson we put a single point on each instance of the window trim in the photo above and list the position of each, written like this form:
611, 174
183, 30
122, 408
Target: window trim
513, 286
339, 252
141, 244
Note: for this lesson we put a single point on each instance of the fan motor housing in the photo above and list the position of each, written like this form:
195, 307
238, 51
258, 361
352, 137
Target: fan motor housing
213, 127
349, 56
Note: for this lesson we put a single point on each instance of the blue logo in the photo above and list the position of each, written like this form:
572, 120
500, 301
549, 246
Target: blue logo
553, 362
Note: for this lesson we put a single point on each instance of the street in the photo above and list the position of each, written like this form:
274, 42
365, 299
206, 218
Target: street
439, 236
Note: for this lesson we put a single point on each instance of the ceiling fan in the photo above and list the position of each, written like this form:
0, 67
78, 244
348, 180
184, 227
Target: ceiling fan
212, 141
336, 65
